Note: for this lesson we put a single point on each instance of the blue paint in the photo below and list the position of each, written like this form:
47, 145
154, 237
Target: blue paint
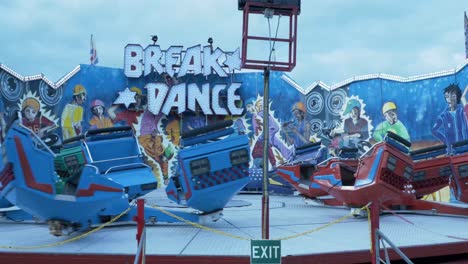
373, 171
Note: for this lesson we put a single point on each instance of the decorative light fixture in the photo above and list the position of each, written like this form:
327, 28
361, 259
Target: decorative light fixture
154, 38
126, 97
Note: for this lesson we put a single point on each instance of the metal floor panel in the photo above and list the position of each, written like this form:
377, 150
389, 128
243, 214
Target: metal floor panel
288, 216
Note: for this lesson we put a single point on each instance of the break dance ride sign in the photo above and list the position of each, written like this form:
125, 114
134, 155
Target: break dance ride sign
177, 63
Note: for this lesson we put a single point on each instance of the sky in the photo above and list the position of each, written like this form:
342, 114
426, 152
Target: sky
336, 39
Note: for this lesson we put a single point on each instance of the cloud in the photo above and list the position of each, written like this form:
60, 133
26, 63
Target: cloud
336, 39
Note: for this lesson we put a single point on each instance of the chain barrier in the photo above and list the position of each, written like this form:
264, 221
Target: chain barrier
422, 228
209, 229
198, 225
323, 226
71, 239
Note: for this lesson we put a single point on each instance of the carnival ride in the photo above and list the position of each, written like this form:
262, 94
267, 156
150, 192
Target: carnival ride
92, 178
388, 173
211, 170
309, 159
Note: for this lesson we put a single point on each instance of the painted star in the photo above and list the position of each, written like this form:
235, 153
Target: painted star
126, 97
233, 60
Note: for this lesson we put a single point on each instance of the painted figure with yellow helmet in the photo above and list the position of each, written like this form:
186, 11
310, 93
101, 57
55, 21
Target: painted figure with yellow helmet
72, 114
298, 131
391, 123
33, 119
129, 116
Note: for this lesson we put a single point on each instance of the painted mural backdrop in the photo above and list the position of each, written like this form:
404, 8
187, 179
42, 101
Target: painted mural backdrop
426, 111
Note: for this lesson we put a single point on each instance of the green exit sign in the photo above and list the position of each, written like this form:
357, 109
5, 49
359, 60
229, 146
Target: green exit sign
265, 252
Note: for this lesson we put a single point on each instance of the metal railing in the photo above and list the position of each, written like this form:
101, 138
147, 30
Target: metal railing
379, 236
140, 256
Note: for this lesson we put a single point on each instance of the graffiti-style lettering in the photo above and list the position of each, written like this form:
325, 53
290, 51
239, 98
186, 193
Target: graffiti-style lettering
162, 99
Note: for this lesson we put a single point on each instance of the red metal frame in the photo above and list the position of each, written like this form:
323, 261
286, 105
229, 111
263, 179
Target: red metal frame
445, 252
284, 10
140, 220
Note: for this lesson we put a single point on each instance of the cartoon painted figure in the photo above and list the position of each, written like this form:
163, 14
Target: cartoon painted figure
356, 128
72, 114
391, 123
465, 102
172, 124
450, 126
273, 140
297, 132
129, 116
33, 119
193, 120
2, 122
99, 120
154, 148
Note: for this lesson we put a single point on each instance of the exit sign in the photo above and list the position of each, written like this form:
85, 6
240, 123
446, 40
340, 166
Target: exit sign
265, 252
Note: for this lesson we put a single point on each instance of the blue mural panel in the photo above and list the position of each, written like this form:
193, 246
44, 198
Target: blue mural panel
349, 115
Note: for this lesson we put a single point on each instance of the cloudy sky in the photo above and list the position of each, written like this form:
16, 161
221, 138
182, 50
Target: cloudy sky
337, 39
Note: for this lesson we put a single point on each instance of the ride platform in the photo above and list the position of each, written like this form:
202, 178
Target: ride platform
309, 233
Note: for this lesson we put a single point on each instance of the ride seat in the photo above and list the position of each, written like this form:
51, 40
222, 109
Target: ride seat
307, 170
117, 152
347, 175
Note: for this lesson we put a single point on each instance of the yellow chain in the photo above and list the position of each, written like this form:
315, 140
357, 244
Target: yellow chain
198, 225
320, 227
245, 238
182, 220
71, 239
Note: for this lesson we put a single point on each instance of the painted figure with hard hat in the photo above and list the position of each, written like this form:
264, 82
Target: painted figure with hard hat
99, 120
129, 116
391, 123
33, 119
72, 114
297, 132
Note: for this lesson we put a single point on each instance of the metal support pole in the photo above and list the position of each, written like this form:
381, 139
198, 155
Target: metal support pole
265, 196
140, 219
374, 218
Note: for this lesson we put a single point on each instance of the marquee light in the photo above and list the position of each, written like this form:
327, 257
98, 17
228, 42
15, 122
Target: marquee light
231, 93
64, 79
162, 99
138, 62
156, 94
210, 60
126, 97
10, 71
176, 98
152, 56
192, 63
217, 108
202, 97
133, 61
33, 77
172, 56
233, 60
